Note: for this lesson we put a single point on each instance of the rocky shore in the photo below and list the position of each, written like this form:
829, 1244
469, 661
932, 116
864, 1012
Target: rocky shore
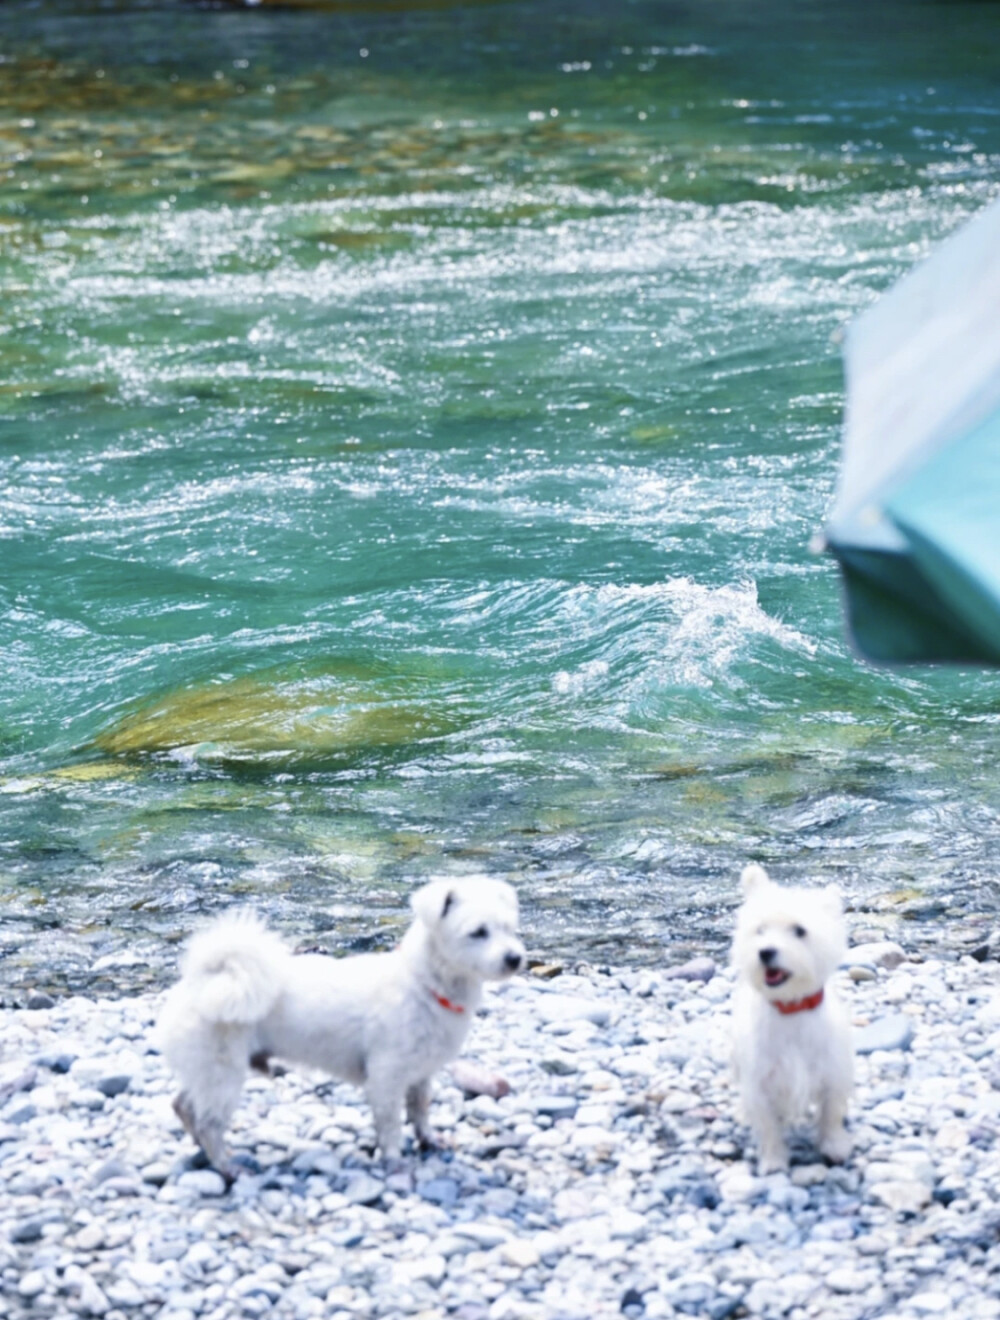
612, 1179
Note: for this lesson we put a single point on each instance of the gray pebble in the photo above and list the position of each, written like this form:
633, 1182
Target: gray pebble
203, 1182
556, 1106
442, 1191
364, 1189
28, 1230
889, 1033
57, 1061
695, 969
32, 1284
113, 1085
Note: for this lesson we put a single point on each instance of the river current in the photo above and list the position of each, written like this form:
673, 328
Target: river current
413, 420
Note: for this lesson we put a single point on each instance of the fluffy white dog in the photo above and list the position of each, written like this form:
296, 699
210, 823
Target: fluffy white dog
792, 1049
386, 1021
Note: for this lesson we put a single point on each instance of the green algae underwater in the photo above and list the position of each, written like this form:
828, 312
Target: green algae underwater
413, 418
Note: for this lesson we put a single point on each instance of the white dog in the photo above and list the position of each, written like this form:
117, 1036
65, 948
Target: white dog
386, 1021
791, 1033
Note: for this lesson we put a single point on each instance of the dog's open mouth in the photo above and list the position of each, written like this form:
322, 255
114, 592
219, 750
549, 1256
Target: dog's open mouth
775, 976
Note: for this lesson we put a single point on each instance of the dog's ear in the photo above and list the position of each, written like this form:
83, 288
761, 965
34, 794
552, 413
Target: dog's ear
833, 899
754, 877
507, 897
513, 906
432, 902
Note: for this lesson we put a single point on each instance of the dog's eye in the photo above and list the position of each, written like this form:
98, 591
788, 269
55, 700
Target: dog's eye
800, 931
480, 933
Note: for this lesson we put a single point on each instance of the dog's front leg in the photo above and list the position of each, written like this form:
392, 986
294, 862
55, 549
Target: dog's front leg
418, 1106
209, 1133
834, 1139
772, 1151
386, 1091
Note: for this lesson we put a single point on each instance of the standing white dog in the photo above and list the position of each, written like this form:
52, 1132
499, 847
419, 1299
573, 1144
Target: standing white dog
792, 1049
386, 1021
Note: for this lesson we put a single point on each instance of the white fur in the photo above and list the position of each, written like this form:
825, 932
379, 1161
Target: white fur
374, 1019
789, 1065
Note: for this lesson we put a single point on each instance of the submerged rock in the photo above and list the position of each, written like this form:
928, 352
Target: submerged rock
281, 716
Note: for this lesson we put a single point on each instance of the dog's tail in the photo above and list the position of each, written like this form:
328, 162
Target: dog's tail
234, 969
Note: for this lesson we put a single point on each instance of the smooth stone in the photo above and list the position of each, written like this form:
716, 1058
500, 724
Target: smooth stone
57, 1061
39, 1000
559, 1067
90, 1098
905, 1197
632, 1303
363, 1189
24, 1081
740, 1186
933, 1303
156, 1174
441, 1191
204, 1182
848, 1280
567, 1008
628, 1225
123, 1292
320, 1160
93, 1300
28, 1230
724, 1307
112, 1169
690, 1293
426, 1269
556, 1106
113, 1085
485, 1236
91, 1237
880, 953
809, 1175
520, 1253
32, 1284
889, 1033
695, 969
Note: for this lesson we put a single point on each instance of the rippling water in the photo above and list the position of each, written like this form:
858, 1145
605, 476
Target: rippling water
412, 422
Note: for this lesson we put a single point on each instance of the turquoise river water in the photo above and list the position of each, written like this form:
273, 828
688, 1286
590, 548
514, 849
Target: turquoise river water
413, 418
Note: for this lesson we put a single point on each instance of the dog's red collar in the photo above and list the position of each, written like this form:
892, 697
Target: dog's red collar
446, 1003
800, 1005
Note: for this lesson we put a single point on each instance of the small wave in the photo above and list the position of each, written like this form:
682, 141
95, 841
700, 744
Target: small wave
573, 683
679, 633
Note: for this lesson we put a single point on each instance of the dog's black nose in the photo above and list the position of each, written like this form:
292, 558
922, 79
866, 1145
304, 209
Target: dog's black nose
767, 956
513, 961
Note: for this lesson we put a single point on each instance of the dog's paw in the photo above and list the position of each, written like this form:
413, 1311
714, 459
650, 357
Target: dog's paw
836, 1146
767, 1167
243, 1162
430, 1143
397, 1170
229, 1170
773, 1160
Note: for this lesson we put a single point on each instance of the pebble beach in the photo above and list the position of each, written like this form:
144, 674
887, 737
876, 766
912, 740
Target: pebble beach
612, 1179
